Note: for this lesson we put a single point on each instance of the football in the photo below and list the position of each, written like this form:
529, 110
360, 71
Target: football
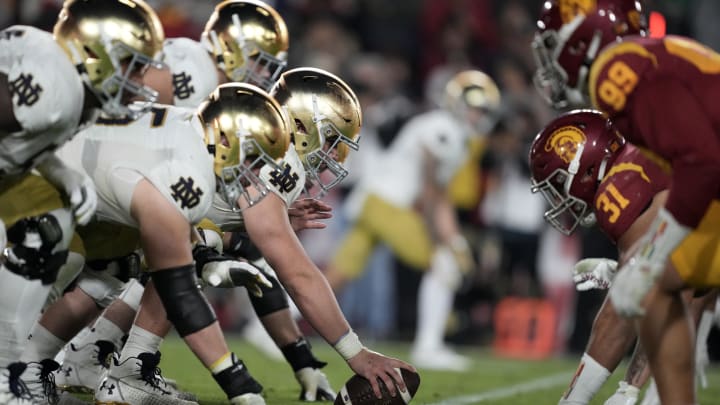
358, 391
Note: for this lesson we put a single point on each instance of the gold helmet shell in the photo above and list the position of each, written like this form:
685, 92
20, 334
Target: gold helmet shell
249, 41
245, 129
474, 98
109, 41
327, 117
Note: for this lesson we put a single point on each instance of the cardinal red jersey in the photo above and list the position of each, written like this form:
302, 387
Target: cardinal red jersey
661, 94
627, 190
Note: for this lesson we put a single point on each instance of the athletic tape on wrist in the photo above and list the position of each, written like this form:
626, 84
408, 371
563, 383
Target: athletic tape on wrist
349, 345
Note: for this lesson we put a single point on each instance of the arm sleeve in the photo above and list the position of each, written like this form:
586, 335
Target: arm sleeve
675, 125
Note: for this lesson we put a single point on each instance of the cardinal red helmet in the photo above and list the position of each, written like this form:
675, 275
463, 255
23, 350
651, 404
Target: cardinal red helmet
570, 33
568, 159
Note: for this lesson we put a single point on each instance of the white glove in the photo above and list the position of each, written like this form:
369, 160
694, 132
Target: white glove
594, 273
76, 185
639, 273
626, 394
314, 384
233, 273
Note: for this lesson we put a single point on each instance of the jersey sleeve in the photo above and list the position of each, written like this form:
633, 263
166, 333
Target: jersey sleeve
47, 93
194, 76
288, 181
683, 134
622, 197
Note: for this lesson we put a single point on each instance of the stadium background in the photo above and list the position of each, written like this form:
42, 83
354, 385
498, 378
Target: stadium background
396, 55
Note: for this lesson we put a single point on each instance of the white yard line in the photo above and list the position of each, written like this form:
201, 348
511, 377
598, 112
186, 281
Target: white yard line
509, 391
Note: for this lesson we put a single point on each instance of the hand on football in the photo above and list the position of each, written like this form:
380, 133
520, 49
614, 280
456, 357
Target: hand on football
305, 213
314, 385
594, 273
373, 365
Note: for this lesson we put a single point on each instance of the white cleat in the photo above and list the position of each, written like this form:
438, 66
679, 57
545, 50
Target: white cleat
441, 358
83, 367
248, 399
626, 394
143, 386
14, 389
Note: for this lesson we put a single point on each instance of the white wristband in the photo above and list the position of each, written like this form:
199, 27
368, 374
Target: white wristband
349, 345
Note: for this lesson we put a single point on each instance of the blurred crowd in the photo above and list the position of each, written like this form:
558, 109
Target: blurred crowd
397, 56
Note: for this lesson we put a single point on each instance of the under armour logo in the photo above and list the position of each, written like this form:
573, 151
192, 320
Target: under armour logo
181, 85
285, 181
109, 388
26, 92
184, 193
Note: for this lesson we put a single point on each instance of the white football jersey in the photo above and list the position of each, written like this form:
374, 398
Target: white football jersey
194, 74
286, 183
164, 146
396, 175
47, 97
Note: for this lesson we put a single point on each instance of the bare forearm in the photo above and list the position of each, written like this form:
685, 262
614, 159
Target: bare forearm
316, 301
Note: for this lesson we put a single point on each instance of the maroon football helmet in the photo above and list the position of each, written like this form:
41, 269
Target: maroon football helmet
570, 33
568, 159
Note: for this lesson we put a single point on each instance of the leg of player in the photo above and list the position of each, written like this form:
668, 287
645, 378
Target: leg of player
274, 313
609, 341
435, 300
89, 352
667, 335
703, 309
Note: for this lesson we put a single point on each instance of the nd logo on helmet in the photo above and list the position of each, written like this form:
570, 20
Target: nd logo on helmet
564, 142
569, 9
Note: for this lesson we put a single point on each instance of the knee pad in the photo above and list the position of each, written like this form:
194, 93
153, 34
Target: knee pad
186, 306
40, 245
273, 299
100, 286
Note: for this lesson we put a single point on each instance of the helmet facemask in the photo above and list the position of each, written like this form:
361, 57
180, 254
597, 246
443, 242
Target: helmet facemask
323, 165
244, 61
566, 211
551, 79
235, 179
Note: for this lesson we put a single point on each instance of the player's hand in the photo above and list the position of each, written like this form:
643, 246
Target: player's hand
235, 273
219, 270
314, 385
594, 273
83, 200
373, 365
638, 274
305, 213
460, 248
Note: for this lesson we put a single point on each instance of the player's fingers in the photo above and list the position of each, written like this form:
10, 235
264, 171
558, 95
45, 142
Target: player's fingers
389, 377
584, 286
375, 387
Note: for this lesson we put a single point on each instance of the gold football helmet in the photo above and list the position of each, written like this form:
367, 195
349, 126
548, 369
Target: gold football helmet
473, 98
245, 129
327, 118
249, 41
109, 41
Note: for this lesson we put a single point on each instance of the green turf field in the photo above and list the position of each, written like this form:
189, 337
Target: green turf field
493, 380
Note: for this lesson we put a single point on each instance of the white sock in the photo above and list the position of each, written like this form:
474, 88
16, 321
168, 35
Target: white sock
435, 300
702, 359
139, 341
20, 303
42, 344
590, 376
102, 329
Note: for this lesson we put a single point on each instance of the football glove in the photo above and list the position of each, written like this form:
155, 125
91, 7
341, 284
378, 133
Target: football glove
76, 185
639, 273
223, 271
314, 385
594, 273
